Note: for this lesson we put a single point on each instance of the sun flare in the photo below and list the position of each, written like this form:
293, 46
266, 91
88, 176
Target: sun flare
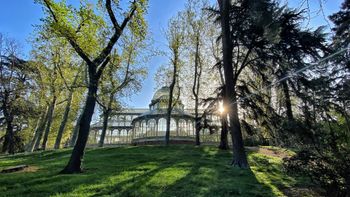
221, 108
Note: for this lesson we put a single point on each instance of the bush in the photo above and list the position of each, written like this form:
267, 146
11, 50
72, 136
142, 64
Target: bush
329, 170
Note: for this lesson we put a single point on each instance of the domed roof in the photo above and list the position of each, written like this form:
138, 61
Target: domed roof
164, 91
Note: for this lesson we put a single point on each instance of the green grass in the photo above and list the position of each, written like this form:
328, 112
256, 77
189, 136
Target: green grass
146, 171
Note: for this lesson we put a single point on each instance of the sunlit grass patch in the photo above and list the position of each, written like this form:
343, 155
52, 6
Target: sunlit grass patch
181, 170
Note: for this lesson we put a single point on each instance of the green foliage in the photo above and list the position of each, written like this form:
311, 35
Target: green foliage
16, 82
56, 67
82, 24
331, 171
147, 171
324, 156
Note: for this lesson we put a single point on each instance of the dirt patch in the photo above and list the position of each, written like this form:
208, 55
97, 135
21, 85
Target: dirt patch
270, 151
29, 169
21, 170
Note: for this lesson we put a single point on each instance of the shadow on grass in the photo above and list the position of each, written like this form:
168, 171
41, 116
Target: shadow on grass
144, 171
212, 175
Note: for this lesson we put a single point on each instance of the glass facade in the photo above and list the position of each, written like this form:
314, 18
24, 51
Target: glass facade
134, 124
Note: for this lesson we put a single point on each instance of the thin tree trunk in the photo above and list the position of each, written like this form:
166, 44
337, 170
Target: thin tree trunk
170, 107
30, 145
195, 91
239, 155
66, 112
49, 121
76, 130
171, 92
64, 121
74, 164
106, 114
287, 101
39, 129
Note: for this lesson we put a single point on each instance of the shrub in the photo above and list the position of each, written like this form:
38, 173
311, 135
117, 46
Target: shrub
329, 170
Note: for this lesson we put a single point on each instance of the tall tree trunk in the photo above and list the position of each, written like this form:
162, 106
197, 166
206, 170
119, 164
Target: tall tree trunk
239, 155
224, 131
41, 130
74, 164
195, 91
38, 129
8, 145
75, 132
49, 121
64, 120
106, 114
170, 107
287, 101
223, 117
197, 124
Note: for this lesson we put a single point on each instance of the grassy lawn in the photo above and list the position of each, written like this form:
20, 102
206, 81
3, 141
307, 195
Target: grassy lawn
180, 170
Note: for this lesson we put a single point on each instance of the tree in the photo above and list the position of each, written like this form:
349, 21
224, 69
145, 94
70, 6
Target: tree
121, 76
175, 38
53, 92
67, 108
38, 131
57, 73
195, 31
220, 95
240, 158
324, 95
249, 29
294, 50
15, 83
83, 35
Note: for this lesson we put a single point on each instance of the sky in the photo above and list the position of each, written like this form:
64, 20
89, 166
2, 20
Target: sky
17, 18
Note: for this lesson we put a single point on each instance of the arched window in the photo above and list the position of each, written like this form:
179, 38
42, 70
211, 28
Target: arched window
123, 134
173, 127
161, 127
151, 127
190, 128
127, 120
183, 131
121, 120
143, 128
137, 129
114, 132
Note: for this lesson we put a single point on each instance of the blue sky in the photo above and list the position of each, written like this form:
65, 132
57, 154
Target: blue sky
17, 18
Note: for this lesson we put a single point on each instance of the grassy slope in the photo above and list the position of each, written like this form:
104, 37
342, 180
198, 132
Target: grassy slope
146, 171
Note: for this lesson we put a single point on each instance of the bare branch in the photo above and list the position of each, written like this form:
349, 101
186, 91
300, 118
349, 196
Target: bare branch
104, 53
111, 15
